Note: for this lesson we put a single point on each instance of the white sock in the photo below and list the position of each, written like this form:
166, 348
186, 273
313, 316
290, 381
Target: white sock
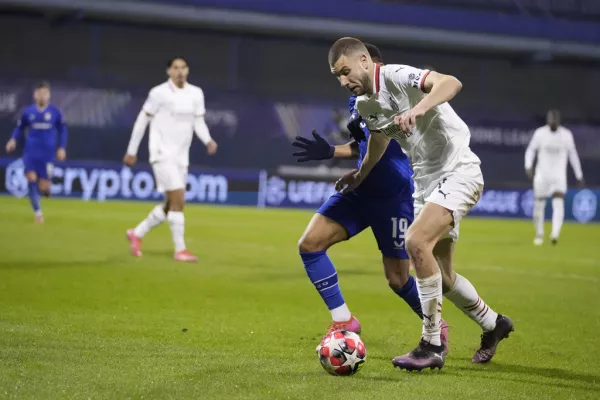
341, 313
465, 297
156, 217
558, 215
177, 224
539, 208
430, 293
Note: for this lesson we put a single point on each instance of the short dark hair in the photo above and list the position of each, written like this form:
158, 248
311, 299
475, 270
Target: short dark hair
344, 46
41, 85
374, 52
172, 60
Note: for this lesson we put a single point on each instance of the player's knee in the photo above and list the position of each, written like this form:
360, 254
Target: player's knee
31, 176
311, 243
417, 245
398, 279
397, 272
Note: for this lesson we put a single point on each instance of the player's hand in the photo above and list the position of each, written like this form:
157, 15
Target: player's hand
211, 147
61, 154
129, 160
11, 145
317, 149
349, 182
581, 183
408, 120
529, 173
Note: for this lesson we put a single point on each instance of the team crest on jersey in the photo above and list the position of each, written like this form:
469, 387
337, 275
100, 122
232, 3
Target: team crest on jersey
414, 79
47, 116
31, 117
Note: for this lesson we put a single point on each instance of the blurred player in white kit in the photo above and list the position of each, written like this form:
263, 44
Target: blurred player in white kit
174, 110
553, 144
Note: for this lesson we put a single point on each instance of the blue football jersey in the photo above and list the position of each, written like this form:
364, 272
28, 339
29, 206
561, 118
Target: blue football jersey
392, 175
43, 130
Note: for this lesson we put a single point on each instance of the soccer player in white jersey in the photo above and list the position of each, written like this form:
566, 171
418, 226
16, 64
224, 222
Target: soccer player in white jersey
175, 110
410, 105
553, 144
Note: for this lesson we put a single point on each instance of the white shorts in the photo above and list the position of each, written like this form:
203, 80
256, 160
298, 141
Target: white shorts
169, 176
457, 192
544, 187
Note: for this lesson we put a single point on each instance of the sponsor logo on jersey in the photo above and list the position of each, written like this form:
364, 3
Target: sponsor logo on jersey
415, 79
41, 125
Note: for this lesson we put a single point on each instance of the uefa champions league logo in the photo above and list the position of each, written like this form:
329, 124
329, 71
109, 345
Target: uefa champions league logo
585, 205
276, 190
15, 181
527, 200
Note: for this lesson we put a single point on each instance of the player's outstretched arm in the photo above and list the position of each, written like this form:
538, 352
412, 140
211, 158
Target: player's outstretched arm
17, 134
203, 134
378, 143
574, 161
61, 153
530, 153
137, 134
200, 127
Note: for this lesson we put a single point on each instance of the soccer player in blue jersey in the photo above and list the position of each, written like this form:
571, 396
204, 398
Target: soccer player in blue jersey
383, 202
41, 126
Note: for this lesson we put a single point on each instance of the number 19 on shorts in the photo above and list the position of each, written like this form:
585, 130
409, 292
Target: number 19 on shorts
399, 228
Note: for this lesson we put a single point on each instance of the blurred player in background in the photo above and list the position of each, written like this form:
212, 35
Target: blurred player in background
410, 105
553, 144
41, 126
383, 202
175, 110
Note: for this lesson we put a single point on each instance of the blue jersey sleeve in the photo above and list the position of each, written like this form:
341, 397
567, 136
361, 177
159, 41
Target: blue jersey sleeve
61, 127
351, 104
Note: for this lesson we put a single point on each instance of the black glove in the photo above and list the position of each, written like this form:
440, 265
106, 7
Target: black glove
318, 149
354, 126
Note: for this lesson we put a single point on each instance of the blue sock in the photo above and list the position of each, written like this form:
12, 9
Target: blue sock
410, 295
34, 196
323, 275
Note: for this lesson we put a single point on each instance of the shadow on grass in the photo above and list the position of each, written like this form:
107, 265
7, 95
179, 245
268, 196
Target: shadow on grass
529, 374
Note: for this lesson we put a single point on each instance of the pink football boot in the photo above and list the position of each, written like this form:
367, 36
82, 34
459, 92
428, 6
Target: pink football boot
185, 256
135, 244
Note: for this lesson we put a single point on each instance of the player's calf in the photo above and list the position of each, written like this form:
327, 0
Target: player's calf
34, 195
176, 220
320, 234
397, 272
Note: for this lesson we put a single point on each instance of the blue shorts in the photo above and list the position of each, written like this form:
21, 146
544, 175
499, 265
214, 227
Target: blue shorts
389, 219
41, 166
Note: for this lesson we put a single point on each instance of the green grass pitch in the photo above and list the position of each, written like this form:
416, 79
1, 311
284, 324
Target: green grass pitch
81, 319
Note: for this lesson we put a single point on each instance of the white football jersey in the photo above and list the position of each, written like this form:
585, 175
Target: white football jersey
439, 143
174, 112
553, 149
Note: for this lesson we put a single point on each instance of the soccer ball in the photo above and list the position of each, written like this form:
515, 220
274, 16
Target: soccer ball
342, 353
